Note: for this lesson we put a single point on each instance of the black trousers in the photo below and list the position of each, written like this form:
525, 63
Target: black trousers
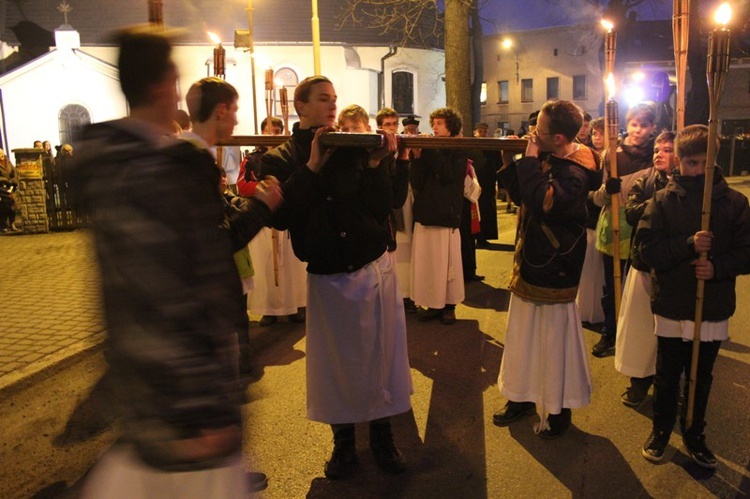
673, 358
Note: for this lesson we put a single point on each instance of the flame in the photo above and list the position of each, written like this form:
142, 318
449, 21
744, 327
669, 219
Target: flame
638, 76
611, 85
723, 14
214, 37
607, 24
507, 43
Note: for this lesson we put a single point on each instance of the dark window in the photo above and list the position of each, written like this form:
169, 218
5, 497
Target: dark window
71, 120
579, 87
502, 91
402, 88
553, 88
527, 90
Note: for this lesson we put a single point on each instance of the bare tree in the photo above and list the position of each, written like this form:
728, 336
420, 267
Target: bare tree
409, 22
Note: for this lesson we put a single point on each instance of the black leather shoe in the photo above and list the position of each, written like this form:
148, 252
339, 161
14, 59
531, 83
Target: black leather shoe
268, 320
513, 411
656, 444
448, 316
697, 449
299, 317
558, 425
384, 450
257, 481
474, 277
428, 314
409, 306
604, 347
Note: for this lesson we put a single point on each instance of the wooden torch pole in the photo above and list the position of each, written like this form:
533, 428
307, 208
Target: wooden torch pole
716, 72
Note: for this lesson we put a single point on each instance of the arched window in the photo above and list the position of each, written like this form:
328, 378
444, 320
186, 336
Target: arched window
402, 90
71, 120
287, 78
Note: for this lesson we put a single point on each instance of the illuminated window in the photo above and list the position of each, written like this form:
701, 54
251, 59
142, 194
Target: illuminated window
483, 94
288, 78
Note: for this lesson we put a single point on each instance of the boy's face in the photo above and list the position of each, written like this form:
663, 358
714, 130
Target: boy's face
692, 166
664, 157
583, 133
411, 129
320, 108
353, 125
597, 138
226, 120
440, 128
389, 124
480, 132
639, 131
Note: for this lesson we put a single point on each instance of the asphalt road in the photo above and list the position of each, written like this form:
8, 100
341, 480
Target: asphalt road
53, 430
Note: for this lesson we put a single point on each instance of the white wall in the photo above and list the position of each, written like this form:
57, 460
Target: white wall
34, 95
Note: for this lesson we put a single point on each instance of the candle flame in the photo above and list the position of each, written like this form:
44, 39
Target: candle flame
611, 85
607, 24
507, 43
723, 14
214, 37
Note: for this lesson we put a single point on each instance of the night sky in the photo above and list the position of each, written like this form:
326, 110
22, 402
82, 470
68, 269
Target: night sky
504, 15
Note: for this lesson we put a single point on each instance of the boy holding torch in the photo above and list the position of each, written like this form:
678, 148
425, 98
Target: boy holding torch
669, 239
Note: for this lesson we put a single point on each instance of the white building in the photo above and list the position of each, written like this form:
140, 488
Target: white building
50, 96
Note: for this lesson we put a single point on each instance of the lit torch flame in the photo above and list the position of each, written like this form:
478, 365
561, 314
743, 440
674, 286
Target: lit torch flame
214, 37
723, 14
607, 25
611, 86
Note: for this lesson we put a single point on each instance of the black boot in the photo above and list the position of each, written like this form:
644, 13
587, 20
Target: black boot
513, 411
384, 450
558, 424
344, 457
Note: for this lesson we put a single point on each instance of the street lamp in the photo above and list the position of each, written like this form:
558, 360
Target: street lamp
508, 44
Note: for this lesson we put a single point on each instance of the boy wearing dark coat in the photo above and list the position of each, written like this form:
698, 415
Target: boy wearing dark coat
669, 240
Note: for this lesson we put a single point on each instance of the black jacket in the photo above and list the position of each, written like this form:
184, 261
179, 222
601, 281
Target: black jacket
641, 193
169, 284
338, 217
551, 243
665, 242
437, 180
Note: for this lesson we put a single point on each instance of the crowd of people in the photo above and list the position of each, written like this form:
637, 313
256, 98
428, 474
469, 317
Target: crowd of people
349, 240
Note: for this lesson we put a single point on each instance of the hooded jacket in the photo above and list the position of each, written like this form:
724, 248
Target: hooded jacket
665, 242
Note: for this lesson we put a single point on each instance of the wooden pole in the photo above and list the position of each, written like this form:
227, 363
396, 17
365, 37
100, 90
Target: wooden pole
613, 125
315, 21
680, 38
716, 71
267, 131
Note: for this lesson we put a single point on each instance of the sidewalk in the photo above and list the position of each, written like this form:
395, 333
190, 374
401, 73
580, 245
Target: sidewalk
51, 294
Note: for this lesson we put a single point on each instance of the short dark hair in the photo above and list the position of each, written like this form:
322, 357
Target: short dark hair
667, 136
144, 60
598, 124
586, 117
275, 121
302, 92
533, 117
386, 112
452, 119
692, 140
565, 118
481, 124
204, 95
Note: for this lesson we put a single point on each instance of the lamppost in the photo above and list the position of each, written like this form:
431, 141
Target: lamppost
316, 37
508, 44
244, 39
